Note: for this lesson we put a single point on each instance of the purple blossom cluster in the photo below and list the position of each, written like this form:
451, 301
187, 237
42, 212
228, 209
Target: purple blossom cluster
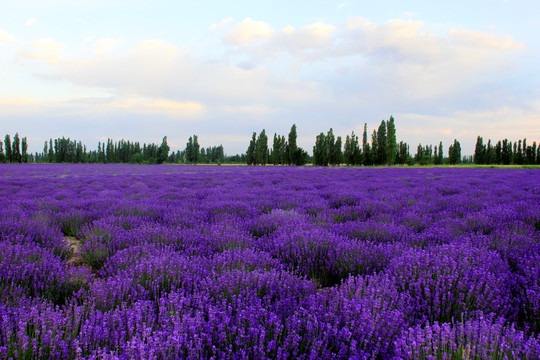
222, 262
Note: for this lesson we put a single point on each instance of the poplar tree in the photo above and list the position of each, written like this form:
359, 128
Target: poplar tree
251, 151
366, 149
7, 143
16, 152
279, 150
374, 147
192, 150
329, 146
506, 152
24, 150
403, 156
498, 153
261, 149
45, 151
381, 144
276, 147
291, 145
479, 150
320, 157
2, 155
337, 154
489, 157
391, 142
163, 151
351, 151
454, 153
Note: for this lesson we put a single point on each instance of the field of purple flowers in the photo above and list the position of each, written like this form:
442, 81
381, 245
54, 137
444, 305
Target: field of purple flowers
200, 262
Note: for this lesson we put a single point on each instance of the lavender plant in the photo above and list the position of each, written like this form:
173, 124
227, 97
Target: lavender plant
193, 262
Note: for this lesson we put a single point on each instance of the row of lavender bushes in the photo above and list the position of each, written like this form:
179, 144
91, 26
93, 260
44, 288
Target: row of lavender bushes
249, 263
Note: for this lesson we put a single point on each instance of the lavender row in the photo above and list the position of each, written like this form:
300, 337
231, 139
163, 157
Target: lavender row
236, 262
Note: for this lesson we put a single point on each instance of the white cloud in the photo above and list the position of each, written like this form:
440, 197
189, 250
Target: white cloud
313, 75
6, 38
513, 122
45, 49
139, 105
30, 22
249, 109
157, 70
104, 46
248, 31
395, 40
484, 40
223, 23
314, 36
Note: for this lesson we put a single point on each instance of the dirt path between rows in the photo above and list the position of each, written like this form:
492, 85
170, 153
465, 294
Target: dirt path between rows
74, 245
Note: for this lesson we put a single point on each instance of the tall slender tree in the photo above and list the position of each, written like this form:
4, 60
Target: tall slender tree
291, 145
261, 149
337, 154
192, 149
320, 153
403, 156
391, 142
381, 144
454, 153
489, 157
374, 147
479, 151
351, 150
506, 152
2, 155
9, 151
252, 150
329, 146
24, 150
16, 151
163, 151
366, 149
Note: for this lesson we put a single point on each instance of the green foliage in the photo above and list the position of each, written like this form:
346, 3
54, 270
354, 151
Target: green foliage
439, 156
163, 151
391, 142
380, 156
424, 155
192, 150
402, 154
279, 150
291, 145
352, 154
261, 149
327, 150
2, 155
454, 153
7, 143
366, 148
479, 151
251, 155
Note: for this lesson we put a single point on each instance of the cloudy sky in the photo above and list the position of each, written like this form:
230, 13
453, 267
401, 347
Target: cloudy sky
140, 70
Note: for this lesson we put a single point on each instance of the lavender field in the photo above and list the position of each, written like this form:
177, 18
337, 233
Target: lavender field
219, 262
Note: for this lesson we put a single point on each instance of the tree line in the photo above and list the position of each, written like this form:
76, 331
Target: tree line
283, 152
329, 150
505, 152
16, 151
65, 150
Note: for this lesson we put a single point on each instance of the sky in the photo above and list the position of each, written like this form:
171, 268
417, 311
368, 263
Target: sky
140, 70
